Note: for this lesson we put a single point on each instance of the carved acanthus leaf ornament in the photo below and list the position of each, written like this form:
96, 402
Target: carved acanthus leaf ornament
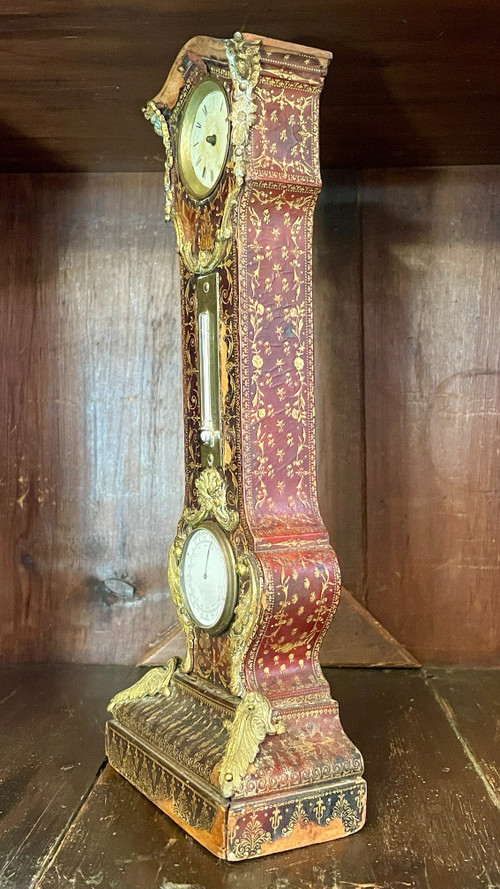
155, 682
253, 720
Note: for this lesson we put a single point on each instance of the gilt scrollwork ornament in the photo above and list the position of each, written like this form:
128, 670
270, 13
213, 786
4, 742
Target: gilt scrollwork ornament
245, 617
155, 682
174, 582
253, 720
205, 261
154, 115
244, 65
211, 490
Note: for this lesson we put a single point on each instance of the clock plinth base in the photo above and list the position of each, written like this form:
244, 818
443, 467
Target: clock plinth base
171, 748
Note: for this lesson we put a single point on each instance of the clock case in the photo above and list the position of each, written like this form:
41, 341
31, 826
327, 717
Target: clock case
241, 743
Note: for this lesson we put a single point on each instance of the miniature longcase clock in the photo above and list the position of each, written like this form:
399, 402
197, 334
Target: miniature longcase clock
241, 743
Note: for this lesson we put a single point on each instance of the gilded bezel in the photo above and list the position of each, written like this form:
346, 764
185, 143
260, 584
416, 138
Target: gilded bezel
186, 170
232, 578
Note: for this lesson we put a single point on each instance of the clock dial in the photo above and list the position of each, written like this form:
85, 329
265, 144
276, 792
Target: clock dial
204, 138
208, 579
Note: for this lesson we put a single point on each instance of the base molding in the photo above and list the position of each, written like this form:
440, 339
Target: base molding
241, 827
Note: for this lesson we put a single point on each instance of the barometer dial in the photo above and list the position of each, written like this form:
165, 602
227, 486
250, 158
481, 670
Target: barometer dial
208, 577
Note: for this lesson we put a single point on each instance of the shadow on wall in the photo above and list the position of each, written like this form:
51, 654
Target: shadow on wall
91, 481
407, 335
431, 333
338, 303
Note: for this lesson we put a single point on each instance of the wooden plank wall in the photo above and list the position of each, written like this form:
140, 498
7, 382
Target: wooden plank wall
431, 286
339, 373
91, 433
90, 438
91, 451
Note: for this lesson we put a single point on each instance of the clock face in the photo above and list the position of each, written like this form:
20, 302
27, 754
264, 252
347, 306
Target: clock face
204, 138
208, 577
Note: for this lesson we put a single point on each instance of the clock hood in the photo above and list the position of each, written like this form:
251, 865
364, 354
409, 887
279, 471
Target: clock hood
200, 48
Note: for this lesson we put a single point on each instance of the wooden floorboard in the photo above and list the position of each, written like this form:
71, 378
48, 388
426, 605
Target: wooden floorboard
51, 749
431, 822
470, 700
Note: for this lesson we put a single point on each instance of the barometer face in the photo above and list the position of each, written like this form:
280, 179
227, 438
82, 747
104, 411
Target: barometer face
208, 577
204, 138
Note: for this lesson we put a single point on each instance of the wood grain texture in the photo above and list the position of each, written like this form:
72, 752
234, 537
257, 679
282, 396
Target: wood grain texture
339, 373
432, 344
91, 409
412, 83
430, 820
471, 703
91, 456
51, 750
91, 453
355, 639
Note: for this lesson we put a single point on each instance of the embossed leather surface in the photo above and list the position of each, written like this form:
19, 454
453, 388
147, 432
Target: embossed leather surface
303, 785
268, 379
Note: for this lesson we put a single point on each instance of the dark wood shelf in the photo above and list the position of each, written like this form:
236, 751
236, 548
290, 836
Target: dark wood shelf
431, 765
354, 639
412, 83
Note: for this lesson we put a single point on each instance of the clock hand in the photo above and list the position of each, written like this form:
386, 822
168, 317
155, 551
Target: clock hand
206, 563
212, 139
